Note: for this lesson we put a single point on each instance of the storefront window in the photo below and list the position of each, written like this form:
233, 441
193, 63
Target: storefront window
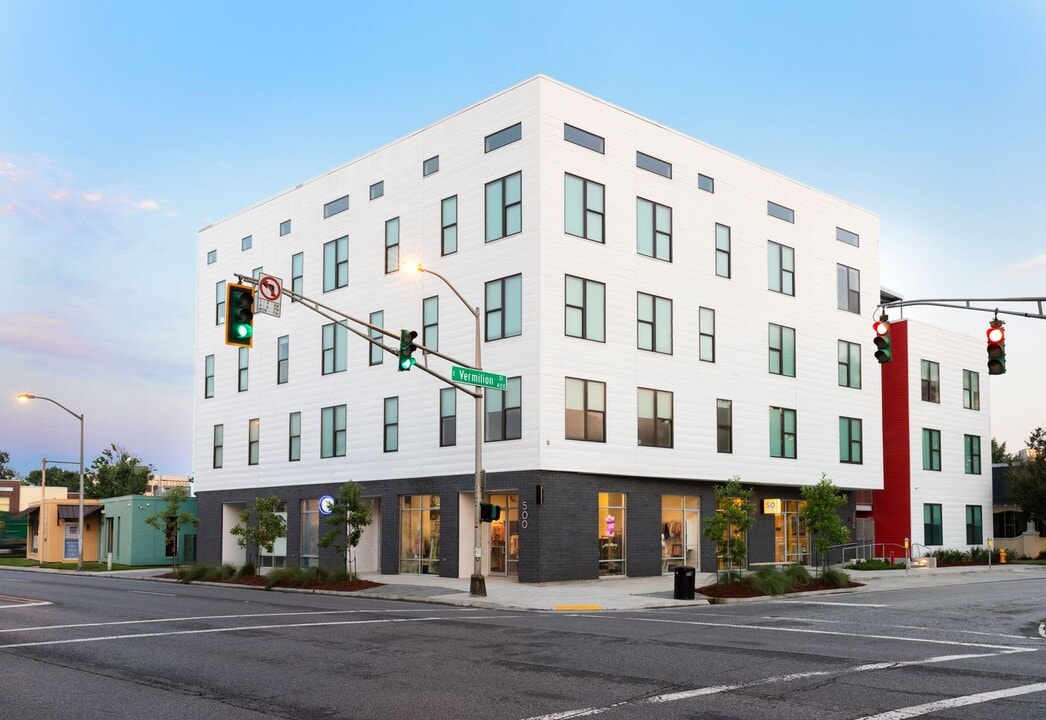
310, 533
504, 535
791, 536
612, 533
680, 531
419, 533
278, 557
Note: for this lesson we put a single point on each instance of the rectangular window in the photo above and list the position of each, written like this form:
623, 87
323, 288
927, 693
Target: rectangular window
430, 322
654, 323
336, 206
724, 421
974, 526
449, 222
392, 424
971, 390
294, 437
850, 238
256, 273
505, 412
931, 449
653, 230
219, 303
848, 288
585, 312
705, 183
706, 334
722, 250
782, 350
430, 166
208, 376
297, 274
933, 530
583, 208
335, 348
504, 206
285, 228
850, 440
652, 164
310, 533
243, 369
583, 138
781, 268
931, 381
392, 245
780, 212
336, 264
246, 243
448, 417
504, 312
377, 190
332, 431
376, 353
849, 364
253, 440
655, 419
283, 359
972, 453
585, 410
782, 433
212, 257
502, 137
218, 446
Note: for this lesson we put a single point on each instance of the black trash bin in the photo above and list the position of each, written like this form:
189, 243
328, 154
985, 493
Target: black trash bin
684, 586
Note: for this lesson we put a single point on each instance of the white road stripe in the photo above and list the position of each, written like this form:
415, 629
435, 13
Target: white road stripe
837, 604
146, 592
962, 701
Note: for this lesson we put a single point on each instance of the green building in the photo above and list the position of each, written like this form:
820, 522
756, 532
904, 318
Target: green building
133, 541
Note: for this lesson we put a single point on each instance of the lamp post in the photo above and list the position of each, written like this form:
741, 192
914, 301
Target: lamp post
80, 520
478, 585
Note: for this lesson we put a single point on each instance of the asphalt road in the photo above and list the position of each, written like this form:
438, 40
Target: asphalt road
91, 647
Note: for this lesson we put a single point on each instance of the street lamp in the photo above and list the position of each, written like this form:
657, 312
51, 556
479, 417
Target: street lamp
478, 586
80, 528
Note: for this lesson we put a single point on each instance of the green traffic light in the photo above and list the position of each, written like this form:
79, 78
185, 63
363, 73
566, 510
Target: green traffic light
407, 363
244, 331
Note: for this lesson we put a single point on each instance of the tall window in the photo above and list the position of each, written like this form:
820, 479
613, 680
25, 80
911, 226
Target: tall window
253, 440
931, 449
722, 250
931, 381
653, 230
706, 333
332, 431
430, 322
449, 225
310, 533
218, 446
297, 273
849, 364
505, 412
585, 312
392, 424
294, 437
448, 417
392, 245
974, 526
781, 268
219, 303
208, 376
655, 421
971, 390
504, 206
782, 432
613, 532
782, 350
848, 288
336, 264
585, 410
376, 354
850, 440
242, 373
583, 208
335, 344
972, 453
724, 420
654, 318
933, 530
283, 359
504, 312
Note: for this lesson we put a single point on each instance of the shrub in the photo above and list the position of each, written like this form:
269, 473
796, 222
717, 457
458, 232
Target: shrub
1042, 555
196, 571
835, 578
725, 577
951, 557
798, 574
228, 571
281, 576
874, 564
768, 581
247, 570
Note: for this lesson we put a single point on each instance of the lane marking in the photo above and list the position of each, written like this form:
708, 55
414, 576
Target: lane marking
146, 592
561, 608
837, 604
962, 701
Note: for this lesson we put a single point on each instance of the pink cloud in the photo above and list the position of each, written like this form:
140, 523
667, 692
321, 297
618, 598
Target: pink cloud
42, 335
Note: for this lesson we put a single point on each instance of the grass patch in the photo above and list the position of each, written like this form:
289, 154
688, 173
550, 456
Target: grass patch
835, 578
874, 564
769, 581
88, 566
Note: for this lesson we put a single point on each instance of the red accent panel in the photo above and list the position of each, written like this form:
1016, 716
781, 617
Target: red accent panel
892, 504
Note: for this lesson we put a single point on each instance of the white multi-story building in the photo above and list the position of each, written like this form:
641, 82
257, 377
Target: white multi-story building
668, 315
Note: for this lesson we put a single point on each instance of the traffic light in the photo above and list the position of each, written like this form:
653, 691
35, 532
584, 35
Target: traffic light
239, 315
996, 347
489, 512
884, 350
407, 348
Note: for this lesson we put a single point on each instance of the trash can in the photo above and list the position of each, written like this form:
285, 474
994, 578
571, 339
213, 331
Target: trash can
684, 586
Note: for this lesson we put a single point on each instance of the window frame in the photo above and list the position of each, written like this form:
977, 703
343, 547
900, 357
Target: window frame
391, 424
334, 348
972, 454
499, 210
706, 183
218, 446
243, 365
723, 255
285, 227
338, 205
658, 238
933, 525
851, 443
283, 358
656, 400
448, 417
585, 214
298, 274
392, 245
253, 441
376, 353
848, 237
430, 322
787, 428
654, 165
776, 210
219, 302
849, 356
930, 381
500, 415
784, 282
430, 166
705, 335
497, 313
294, 437
650, 316
503, 137
336, 264
592, 410
974, 524
246, 243
724, 423
783, 350
584, 138
448, 229
333, 431
848, 288
586, 313
931, 443
208, 377
971, 390
377, 190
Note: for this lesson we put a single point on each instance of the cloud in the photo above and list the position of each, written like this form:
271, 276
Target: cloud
42, 335
148, 204
1028, 266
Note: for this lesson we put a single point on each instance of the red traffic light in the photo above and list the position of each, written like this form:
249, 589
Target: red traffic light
996, 334
881, 327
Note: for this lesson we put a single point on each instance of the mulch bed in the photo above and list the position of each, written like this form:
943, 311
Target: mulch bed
741, 590
259, 581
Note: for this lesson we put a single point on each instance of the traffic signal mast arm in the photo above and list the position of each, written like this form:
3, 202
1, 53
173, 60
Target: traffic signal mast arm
966, 304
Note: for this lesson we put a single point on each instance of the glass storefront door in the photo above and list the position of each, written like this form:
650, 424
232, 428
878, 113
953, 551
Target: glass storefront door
791, 536
612, 534
419, 533
680, 531
504, 535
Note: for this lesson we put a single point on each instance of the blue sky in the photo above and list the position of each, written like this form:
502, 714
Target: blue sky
126, 127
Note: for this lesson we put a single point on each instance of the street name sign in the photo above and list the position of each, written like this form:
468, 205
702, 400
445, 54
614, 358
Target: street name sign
482, 378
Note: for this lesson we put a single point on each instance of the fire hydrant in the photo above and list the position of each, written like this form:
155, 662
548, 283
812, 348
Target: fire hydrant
1002, 555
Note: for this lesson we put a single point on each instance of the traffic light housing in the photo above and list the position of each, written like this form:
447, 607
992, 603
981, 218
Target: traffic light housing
239, 315
407, 348
996, 347
883, 346
488, 512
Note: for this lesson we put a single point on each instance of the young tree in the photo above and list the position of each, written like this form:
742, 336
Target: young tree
170, 519
728, 527
261, 531
347, 519
820, 512
117, 472
1028, 478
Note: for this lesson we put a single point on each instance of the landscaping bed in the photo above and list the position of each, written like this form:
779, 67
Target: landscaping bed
744, 590
311, 579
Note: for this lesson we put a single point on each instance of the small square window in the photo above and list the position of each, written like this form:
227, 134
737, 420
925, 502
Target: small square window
705, 183
377, 190
212, 257
285, 228
246, 243
430, 166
